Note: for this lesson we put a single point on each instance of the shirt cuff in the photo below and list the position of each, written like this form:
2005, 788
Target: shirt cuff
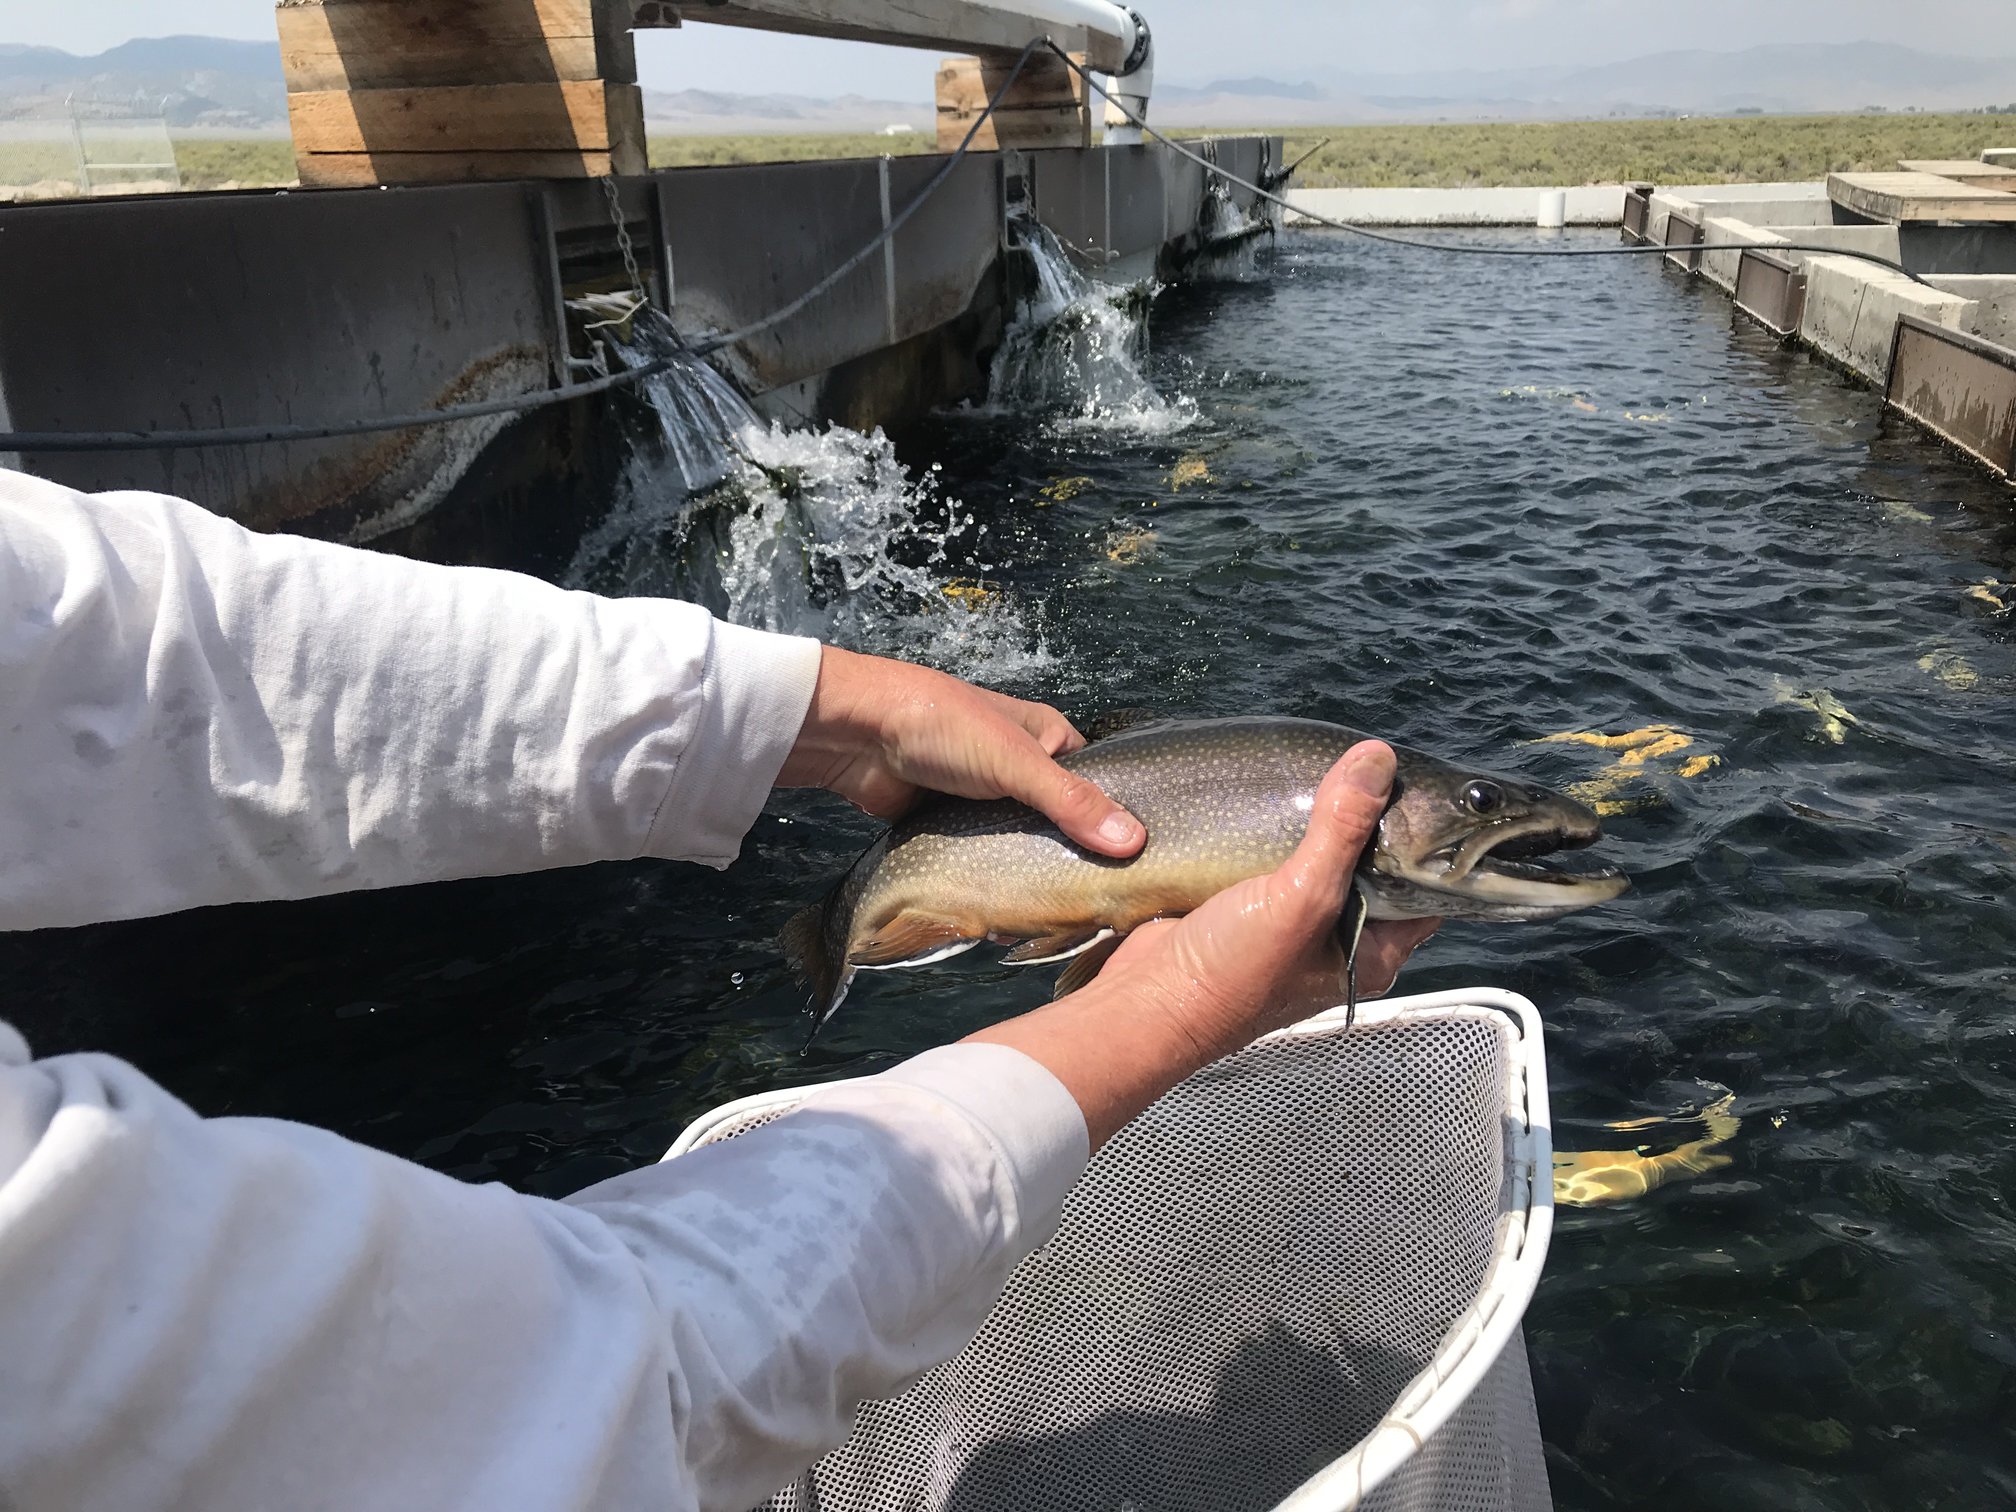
755, 692
1025, 1113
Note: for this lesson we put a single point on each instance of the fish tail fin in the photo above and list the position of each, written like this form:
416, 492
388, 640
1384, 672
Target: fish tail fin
811, 946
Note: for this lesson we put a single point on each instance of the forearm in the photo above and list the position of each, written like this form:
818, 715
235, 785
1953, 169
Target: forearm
205, 715
835, 1255
222, 1312
1113, 1053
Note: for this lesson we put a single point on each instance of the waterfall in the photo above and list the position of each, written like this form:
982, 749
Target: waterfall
808, 532
1073, 354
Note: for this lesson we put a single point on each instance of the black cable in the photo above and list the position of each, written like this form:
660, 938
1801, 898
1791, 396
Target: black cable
245, 435
1459, 249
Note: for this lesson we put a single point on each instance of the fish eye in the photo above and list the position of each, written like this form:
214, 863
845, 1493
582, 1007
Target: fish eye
1483, 797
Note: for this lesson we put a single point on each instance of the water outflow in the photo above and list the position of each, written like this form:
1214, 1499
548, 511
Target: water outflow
1229, 240
808, 532
1074, 351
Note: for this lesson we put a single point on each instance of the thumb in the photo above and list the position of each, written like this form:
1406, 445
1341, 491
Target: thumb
1348, 804
1072, 803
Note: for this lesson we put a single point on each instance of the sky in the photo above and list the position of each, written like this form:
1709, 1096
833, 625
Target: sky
1196, 40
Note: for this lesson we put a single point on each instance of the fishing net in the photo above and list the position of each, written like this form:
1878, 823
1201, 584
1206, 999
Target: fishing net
1294, 1282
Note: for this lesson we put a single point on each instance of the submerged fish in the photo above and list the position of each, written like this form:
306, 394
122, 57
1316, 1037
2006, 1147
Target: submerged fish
1222, 800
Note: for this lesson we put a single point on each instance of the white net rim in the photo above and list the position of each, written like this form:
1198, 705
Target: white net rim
1477, 1336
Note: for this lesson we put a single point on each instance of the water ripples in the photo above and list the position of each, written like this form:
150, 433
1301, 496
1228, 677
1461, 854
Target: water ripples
1424, 498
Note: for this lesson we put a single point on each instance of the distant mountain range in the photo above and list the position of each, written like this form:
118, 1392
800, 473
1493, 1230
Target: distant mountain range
213, 83
194, 81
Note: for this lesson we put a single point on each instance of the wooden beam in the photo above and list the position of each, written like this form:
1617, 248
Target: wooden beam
1901, 197
381, 44
1046, 107
1964, 171
938, 24
362, 170
465, 118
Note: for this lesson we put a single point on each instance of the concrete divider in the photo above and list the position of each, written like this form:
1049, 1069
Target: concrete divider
1778, 209
1994, 299
1852, 309
1720, 267
1589, 205
291, 309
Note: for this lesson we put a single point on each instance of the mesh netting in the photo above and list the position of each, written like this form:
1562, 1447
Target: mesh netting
1244, 1282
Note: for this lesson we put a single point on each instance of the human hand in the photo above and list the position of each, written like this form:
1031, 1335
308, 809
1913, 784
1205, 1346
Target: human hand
1262, 954
879, 730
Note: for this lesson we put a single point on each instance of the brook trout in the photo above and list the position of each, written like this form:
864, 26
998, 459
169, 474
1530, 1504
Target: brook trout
1222, 800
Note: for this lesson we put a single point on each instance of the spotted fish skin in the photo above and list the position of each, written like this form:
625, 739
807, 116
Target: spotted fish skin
1222, 800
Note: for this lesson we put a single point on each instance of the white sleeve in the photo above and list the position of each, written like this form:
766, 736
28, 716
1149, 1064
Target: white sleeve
242, 1314
193, 713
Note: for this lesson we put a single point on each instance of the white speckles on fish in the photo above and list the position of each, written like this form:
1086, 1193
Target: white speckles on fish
1222, 800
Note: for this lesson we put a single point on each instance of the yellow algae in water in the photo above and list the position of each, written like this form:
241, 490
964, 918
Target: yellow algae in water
1649, 735
1189, 469
1950, 667
971, 593
1897, 509
1653, 417
1832, 713
1127, 547
1584, 405
1062, 490
1604, 791
1990, 592
1596, 1178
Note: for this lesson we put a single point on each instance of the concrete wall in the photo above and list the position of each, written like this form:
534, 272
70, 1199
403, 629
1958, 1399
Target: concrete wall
1593, 205
1994, 300
197, 311
209, 310
1852, 309
1719, 268
1788, 210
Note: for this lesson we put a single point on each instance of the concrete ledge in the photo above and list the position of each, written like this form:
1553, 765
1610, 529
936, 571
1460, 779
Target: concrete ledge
1852, 309
1590, 205
1787, 210
1994, 298
1720, 267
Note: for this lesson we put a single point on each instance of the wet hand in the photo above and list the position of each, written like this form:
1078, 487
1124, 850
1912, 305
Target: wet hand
1260, 955
881, 731
1265, 953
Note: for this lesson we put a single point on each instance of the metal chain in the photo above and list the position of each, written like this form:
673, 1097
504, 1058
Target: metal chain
623, 238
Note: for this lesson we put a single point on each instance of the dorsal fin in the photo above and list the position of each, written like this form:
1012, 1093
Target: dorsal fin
1114, 721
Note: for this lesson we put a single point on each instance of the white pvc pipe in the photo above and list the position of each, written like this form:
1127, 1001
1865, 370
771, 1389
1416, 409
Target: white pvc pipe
1553, 209
1094, 15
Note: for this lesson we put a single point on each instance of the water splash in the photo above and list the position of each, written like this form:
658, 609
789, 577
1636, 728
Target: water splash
1074, 352
807, 532
1229, 241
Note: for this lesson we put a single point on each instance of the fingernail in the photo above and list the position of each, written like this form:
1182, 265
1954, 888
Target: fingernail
1369, 769
1120, 829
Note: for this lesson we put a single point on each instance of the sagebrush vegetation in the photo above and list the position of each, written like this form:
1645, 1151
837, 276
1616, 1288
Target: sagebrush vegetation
1697, 150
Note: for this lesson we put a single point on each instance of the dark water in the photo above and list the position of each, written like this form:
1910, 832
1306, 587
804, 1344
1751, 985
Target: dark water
1467, 505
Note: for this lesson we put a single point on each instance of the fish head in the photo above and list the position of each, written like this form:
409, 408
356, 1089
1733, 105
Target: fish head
1464, 844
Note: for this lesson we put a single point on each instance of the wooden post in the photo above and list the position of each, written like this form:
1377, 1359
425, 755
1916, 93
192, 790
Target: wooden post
411, 91
1045, 108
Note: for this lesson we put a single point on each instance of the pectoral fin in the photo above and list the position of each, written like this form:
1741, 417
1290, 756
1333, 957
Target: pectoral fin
910, 940
1044, 949
1087, 965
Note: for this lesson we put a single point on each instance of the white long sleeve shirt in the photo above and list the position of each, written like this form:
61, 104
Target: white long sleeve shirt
251, 1314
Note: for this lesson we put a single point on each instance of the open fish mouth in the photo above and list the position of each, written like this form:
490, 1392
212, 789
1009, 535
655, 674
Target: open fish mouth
1503, 864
